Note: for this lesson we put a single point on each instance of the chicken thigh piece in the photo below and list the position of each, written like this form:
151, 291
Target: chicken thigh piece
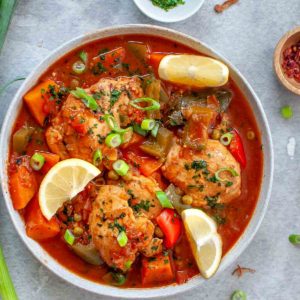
110, 216
142, 196
77, 131
195, 173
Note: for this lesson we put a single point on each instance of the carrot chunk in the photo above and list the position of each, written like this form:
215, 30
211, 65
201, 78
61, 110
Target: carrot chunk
23, 186
35, 101
157, 269
37, 226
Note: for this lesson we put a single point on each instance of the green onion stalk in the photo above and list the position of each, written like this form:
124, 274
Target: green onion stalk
6, 10
7, 290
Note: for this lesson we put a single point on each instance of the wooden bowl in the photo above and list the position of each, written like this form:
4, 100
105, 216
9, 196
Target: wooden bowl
289, 39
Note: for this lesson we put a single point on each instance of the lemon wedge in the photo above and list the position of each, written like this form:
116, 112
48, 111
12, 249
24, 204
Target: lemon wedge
63, 182
193, 70
206, 243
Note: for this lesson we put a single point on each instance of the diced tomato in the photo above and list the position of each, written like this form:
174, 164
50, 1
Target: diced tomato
49, 106
146, 165
237, 149
23, 186
79, 125
50, 160
157, 269
136, 139
171, 225
37, 226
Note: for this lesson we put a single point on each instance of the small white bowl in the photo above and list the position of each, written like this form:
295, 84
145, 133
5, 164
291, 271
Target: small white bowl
178, 13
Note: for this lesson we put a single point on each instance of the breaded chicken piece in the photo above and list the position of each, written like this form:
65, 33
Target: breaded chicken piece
143, 198
194, 173
77, 131
111, 215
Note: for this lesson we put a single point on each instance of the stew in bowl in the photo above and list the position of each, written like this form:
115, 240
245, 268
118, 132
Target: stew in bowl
136, 162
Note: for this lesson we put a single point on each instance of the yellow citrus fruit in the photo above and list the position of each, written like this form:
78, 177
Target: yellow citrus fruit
206, 243
63, 182
193, 70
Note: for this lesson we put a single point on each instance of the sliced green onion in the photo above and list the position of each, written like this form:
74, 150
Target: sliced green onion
230, 170
120, 167
122, 239
148, 124
137, 128
7, 290
163, 199
113, 140
127, 135
110, 121
37, 161
294, 239
97, 157
226, 138
69, 237
154, 131
286, 112
128, 264
88, 100
239, 295
83, 56
153, 104
78, 67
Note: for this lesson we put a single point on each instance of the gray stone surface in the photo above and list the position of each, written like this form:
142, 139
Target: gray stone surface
246, 34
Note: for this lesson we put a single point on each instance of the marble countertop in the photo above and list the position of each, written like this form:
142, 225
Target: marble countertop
246, 34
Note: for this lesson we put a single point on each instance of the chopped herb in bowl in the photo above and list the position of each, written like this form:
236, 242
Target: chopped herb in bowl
167, 4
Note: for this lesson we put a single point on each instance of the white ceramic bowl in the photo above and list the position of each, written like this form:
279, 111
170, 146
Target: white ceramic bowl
178, 13
97, 288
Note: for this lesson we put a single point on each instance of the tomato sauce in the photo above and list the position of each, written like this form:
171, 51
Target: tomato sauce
238, 213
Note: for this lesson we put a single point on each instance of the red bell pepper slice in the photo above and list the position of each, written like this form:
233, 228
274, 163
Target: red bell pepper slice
171, 225
237, 149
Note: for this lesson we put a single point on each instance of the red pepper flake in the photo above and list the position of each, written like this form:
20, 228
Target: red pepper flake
239, 271
291, 61
219, 8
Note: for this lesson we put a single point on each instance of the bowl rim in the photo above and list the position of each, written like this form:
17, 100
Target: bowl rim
276, 60
179, 18
261, 120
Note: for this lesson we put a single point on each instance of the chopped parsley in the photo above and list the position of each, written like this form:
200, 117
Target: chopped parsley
130, 193
212, 201
115, 224
114, 97
97, 95
194, 186
145, 205
228, 183
167, 4
220, 220
98, 69
199, 165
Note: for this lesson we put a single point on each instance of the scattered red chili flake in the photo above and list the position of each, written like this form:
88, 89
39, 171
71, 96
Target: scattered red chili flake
291, 61
219, 8
239, 271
